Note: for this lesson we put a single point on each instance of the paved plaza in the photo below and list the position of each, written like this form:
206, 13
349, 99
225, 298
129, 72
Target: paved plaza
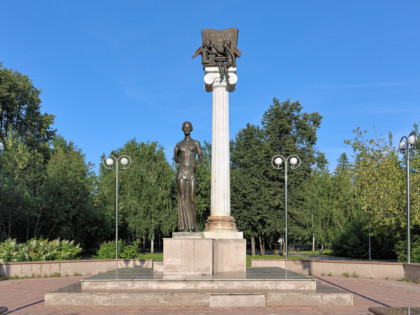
26, 296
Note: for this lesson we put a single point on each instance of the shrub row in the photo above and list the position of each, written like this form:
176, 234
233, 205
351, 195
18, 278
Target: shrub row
38, 250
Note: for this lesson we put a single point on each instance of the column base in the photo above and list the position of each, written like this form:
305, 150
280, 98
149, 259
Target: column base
221, 227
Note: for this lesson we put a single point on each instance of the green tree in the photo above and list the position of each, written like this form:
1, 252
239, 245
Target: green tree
68, 204
250, 196
288, 131
20, 110
22, 172
204, 187
146, 193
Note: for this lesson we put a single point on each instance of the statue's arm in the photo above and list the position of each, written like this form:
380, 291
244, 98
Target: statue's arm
176, 156
199, 152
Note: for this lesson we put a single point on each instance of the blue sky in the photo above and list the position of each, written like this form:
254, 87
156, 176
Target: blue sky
111, 71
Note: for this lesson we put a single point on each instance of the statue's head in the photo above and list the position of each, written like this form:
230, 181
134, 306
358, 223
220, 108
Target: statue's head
187, 127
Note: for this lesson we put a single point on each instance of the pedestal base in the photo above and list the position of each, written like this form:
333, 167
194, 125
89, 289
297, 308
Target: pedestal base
202, 256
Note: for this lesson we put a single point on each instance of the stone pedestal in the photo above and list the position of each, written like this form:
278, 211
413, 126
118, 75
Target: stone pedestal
220, 219
186, 255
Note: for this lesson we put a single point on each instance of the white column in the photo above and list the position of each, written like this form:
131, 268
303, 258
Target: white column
220, 219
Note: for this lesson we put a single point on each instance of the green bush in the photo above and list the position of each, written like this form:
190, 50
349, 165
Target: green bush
131, 251
125, 251
416, 255
353, 241
38, 250
107, 250
401, 249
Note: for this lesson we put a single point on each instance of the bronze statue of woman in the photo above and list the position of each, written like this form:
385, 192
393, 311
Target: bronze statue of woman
185, 153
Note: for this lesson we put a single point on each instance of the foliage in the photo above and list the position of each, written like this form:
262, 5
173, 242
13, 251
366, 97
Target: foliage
401, 249
258, 189
20, 110
38, 250
107, 250
147, 193
204, 187
416, 255
250, 196
131, 251
125, 251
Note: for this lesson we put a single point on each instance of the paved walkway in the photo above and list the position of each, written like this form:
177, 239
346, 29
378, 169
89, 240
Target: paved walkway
27, 297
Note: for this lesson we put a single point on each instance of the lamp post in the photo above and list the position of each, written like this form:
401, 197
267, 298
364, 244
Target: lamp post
294, 162
405, 145
108, 163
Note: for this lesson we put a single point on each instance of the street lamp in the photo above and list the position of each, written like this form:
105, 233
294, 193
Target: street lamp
277, 161
405, 145
1, 147
108, 163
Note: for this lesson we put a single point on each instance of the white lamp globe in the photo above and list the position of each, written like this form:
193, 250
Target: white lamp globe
278, 160
412, 139
124, 161
109, 162
403, 145
1, 146
293, 161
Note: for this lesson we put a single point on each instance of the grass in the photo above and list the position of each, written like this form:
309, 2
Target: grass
249, 257
154, 256
325, 252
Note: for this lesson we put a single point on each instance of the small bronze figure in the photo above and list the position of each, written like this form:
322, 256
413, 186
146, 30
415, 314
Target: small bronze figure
185, 153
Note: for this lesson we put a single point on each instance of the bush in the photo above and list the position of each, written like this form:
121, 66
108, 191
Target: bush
38, 250
131, 251
107, 250
416, 255
401, 249
353, 241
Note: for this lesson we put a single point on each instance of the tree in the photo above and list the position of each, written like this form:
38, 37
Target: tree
146, 193
22, 171
288, 131
250, 195
204, 187
20, 110
67, 210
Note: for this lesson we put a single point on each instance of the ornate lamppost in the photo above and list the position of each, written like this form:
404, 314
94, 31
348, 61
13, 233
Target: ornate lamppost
294, 162
405, 145
108, 163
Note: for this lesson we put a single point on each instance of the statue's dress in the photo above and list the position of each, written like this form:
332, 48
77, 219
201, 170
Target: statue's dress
187, 185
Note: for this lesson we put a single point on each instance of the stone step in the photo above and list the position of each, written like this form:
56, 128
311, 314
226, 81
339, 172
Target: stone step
256, 279
323, 296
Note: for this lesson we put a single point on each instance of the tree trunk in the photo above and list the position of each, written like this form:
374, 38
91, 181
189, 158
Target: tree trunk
262, 250
152, 245
144, 242
313, 242
284, 249
252, 246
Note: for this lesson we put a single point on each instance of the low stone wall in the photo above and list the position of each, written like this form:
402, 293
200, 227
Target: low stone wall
374, 270
69, 267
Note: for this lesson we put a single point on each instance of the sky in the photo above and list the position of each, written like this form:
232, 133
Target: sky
111, 71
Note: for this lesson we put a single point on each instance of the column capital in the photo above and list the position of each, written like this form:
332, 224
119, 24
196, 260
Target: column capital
212, 79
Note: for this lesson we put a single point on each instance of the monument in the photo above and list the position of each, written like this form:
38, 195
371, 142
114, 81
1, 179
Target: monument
219, 52
204, 268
